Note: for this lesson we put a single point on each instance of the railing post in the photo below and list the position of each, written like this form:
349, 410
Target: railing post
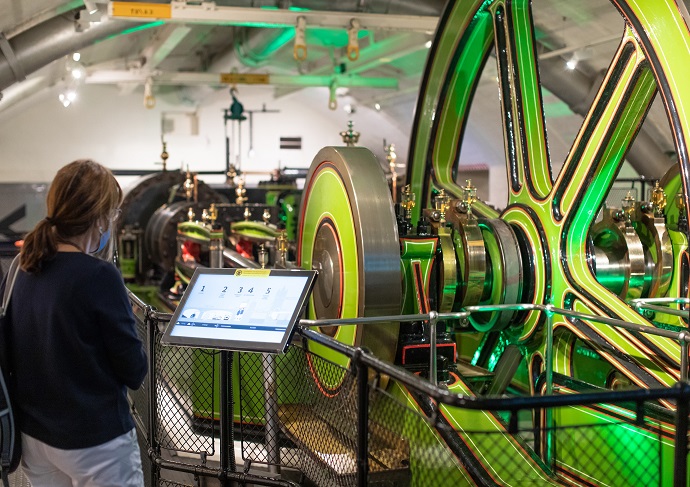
433, 368
227, 434
151, 334
548, 412
271, 399
362, 420
680, 467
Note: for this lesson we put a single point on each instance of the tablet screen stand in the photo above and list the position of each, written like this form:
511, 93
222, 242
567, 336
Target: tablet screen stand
252, 310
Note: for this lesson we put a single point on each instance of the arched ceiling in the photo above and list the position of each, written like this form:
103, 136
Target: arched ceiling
182, 57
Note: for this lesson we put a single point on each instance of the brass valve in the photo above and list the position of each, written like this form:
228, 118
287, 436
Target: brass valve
266, 216
441, 204
658, 200
190, 214
213, 214
469, 195
282, 242
240, 192
164, 157
188, 186
628, 206
247, 213
231, 175
392, 157
282, 247
408, 201
263, 256
350, 136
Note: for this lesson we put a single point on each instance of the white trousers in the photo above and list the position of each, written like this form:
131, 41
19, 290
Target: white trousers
115, 463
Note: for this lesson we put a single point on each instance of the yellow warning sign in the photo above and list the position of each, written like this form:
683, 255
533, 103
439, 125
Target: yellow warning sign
245, 78
142, 10
252, 272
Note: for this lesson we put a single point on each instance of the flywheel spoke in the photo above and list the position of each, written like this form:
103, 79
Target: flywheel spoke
606, 133
522, 109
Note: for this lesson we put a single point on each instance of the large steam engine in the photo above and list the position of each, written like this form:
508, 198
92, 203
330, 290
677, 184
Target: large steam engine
439, 248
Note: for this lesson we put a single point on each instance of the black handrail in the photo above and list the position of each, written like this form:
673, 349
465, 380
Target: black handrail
441, 395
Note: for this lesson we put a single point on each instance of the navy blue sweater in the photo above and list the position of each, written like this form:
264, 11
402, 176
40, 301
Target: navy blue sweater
75, 351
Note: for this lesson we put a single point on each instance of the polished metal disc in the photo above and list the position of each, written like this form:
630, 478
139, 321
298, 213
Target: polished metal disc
348, 232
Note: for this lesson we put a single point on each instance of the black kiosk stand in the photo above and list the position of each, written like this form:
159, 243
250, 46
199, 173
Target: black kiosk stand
244, 310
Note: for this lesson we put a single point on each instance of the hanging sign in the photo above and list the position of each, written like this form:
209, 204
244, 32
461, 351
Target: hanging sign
141, 10
245, 78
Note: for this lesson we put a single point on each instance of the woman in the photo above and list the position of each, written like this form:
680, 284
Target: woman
74, 342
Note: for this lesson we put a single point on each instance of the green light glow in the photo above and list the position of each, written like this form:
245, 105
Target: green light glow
293, 9
134, 29
281, 40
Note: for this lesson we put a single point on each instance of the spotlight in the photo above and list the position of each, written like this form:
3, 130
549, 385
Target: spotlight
427, 44
76, 57
67, 97
77, 73
571, 64
377, 106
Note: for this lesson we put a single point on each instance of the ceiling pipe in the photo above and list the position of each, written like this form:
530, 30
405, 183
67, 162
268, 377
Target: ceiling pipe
255, 47
432, 8
578, 90
51, 40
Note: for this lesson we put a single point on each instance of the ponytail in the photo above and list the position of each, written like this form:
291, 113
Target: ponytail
40, 244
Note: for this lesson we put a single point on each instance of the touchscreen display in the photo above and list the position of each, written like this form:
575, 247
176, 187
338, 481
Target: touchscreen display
240, 309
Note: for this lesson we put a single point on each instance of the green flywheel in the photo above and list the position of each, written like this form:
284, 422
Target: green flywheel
348, 232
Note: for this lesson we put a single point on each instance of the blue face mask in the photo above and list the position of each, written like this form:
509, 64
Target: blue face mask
105, 236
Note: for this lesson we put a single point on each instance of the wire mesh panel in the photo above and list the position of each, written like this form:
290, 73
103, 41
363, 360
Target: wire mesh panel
185, 395
414, 441
315, 431
605, 442
170, 483
591, 445
443, 445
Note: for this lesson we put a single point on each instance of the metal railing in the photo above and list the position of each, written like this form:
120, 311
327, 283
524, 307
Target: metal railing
361, 363
549, 311
651, 304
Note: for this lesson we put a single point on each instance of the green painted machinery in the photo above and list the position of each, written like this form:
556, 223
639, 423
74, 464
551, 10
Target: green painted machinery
440, 249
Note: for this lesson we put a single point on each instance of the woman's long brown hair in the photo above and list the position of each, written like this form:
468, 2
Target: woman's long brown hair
83, 194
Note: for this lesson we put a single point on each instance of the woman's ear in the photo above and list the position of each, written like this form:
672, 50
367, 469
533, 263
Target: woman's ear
102, 225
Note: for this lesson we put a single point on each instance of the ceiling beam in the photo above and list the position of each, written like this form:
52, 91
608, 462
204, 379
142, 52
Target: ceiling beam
210, 13
222, 79
167, 39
